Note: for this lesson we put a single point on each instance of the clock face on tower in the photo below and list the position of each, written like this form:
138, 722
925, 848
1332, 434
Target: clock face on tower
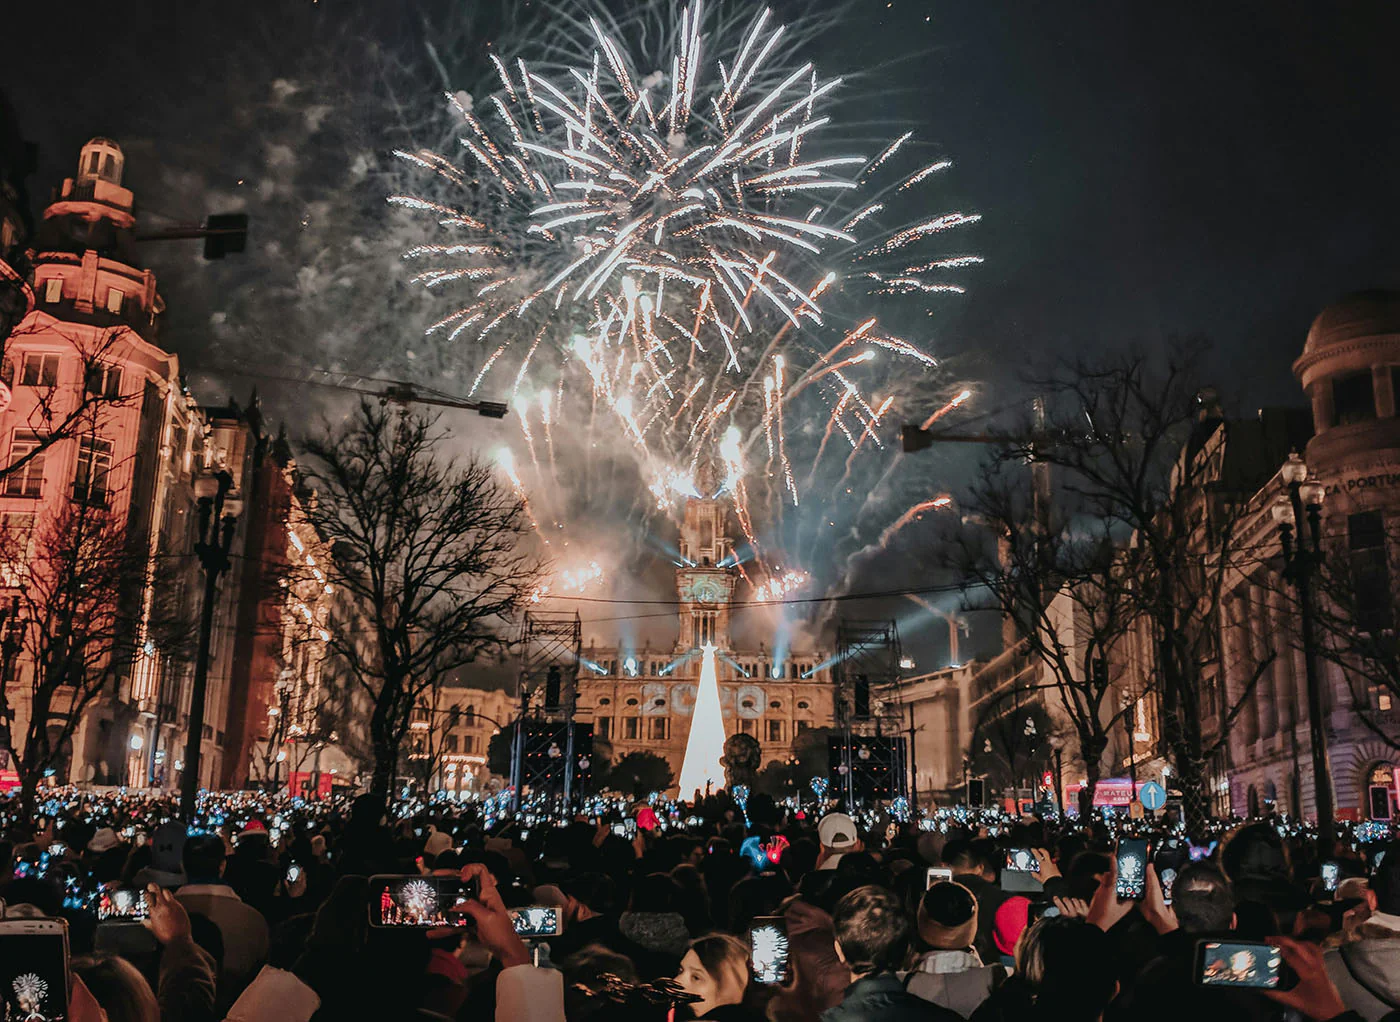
703, 591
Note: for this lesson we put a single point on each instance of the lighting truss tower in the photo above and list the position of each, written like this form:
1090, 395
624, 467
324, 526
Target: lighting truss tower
550, 649
867, 659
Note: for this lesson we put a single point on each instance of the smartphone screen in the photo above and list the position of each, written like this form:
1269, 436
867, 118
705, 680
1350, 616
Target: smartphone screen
1167, 878
293, 873
122, 903
1330, 875
535, 921
937, 875
417, 901
1020, 860
1132, 868
768, 949
34, 970
1232, 964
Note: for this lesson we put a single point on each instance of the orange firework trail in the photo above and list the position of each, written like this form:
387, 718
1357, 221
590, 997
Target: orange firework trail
936, 504
962, 396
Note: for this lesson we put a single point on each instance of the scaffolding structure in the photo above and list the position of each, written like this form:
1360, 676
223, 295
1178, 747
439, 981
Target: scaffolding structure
550, 753
870, 760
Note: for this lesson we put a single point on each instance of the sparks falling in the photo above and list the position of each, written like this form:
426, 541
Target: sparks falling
676, 248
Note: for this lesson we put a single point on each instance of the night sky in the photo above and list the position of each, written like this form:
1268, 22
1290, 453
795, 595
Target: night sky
1145, 171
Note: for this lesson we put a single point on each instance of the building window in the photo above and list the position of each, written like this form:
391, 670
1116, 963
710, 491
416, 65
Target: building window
27, 480
39, 371
802, 725
449, 743
605, 701
746, 704
775, 730
775, 705
94, 467
747, 725
631, 702
469, 743
115, 296
1353, 397
1370, 574
16, 539
602, 727
631, 727
658, 729
804, 705
53, 290
104, 381
469, 717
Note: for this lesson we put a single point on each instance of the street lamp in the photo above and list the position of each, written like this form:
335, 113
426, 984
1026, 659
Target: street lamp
217, 517
1302, 511
11, 641
1058, 744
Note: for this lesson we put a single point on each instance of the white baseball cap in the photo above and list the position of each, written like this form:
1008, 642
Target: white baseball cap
837, 831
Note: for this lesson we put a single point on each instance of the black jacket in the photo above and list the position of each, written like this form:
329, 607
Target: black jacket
883, 998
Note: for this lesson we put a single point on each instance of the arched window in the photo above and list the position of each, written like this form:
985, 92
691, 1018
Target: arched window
470, 716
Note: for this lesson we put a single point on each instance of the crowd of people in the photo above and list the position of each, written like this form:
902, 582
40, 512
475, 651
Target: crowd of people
265, 908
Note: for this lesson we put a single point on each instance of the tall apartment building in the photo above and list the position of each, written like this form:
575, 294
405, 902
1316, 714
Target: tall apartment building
98, 417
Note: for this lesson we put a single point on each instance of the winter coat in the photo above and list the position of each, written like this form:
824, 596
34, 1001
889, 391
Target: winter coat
1367, 971
882, 998
956, 980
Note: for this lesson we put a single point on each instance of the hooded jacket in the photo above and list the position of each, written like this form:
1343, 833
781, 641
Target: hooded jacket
1367, 969
956, 980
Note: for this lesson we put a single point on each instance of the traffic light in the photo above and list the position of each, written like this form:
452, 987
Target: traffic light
225, 233
912, 438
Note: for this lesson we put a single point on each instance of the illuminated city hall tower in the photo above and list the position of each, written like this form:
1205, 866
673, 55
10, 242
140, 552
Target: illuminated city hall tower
706, 579
705, 584
670, 698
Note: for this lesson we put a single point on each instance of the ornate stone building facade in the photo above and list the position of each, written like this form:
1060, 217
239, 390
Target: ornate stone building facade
643, 699
1350, 372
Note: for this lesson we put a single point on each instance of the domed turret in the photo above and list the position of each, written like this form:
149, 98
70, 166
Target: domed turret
1350, 370
101, 160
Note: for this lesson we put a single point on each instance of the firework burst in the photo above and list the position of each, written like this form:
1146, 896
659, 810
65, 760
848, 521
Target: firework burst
680, 249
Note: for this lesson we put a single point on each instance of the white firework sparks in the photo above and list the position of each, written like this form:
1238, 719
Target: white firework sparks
670, 245
30, 991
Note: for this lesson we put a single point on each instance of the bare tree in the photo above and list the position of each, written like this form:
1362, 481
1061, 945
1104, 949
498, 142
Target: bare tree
1009, 742
73, 576
428, 730
1142, 449
60, 413
427, 554
1060, 576
1356, 595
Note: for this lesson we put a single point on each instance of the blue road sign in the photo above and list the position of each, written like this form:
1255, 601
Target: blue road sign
1152, 796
